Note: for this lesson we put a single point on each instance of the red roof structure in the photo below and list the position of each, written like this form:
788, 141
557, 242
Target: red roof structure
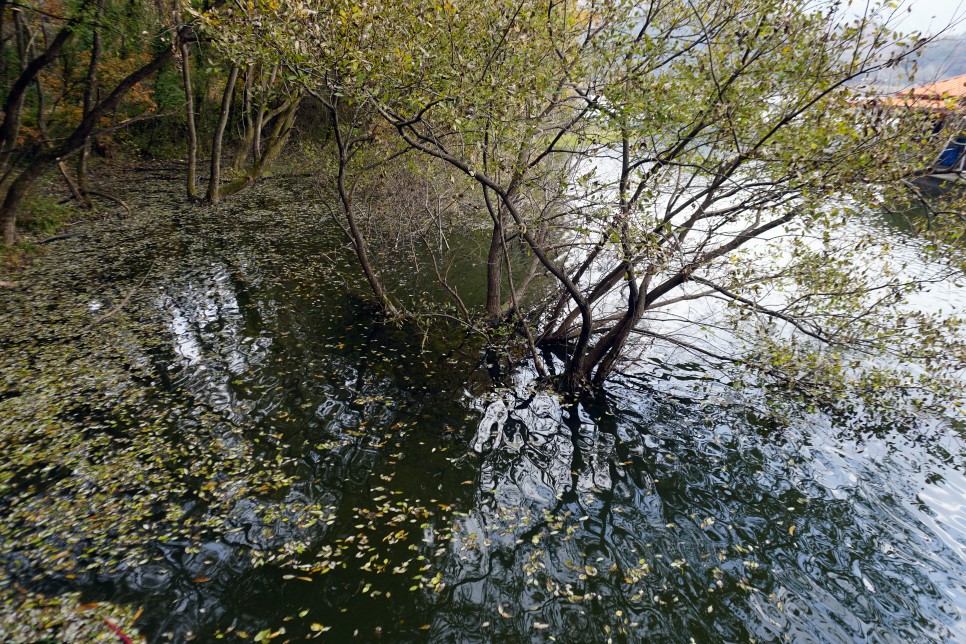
942, 96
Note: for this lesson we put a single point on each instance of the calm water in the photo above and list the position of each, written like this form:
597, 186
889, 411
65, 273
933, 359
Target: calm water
241, 448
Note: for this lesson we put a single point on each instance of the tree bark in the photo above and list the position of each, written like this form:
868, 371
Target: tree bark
355, 235
494, 262
276, 142
192, 178
262, 111
15, 194
91, 81
243, 150
3, 41
214, 180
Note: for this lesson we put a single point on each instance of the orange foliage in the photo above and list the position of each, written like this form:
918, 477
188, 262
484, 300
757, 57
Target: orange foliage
63, 83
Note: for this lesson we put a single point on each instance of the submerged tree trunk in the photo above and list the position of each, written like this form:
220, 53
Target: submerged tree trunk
214, 180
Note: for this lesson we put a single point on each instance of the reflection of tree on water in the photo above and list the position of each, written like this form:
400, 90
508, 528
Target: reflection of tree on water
536, 544
659, 520
210, 319
538, 454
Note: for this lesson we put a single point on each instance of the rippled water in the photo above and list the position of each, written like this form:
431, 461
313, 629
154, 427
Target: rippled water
337, 478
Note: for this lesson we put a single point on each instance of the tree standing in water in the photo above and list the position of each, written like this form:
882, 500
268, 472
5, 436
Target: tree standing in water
653, 160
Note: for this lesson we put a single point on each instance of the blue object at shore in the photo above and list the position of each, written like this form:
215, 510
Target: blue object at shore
950, 155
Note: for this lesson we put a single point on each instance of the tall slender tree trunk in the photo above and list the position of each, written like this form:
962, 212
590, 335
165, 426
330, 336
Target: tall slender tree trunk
89, 90
262, 111
3, 41
214, 180
248, 132
355, 235
494, 273
192, 177
494, 259
13, 114
359, 243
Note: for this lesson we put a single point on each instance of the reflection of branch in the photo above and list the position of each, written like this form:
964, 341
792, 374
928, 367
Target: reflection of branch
121, 304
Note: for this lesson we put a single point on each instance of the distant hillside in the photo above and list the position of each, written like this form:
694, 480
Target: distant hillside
940, 59
943, 58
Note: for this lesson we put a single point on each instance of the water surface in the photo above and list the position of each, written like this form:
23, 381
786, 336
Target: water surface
243, 447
